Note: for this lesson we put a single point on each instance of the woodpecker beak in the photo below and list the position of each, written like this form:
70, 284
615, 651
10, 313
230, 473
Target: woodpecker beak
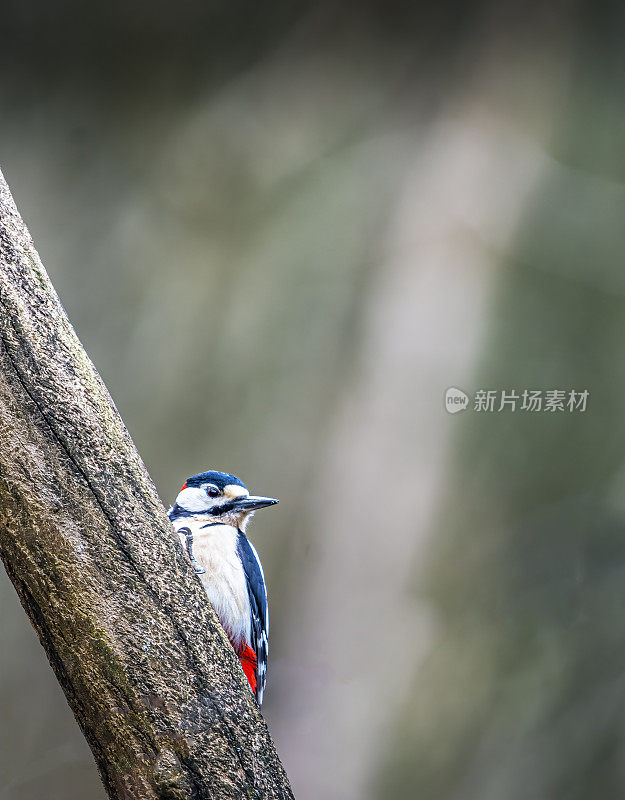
252, 503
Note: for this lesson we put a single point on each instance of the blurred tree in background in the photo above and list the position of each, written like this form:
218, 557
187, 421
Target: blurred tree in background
288, 230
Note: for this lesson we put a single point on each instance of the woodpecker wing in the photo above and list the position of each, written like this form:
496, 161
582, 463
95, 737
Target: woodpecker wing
259, 613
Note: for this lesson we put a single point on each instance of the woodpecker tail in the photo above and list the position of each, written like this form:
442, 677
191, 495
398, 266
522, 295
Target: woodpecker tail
247, 657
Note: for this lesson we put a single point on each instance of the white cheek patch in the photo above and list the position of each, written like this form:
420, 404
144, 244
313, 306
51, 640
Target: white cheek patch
193, 499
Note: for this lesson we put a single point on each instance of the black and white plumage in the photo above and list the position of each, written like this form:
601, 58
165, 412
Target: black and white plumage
259, 611
210, 514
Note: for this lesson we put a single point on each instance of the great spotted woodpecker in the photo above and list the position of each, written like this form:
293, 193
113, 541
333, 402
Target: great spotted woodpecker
210, 515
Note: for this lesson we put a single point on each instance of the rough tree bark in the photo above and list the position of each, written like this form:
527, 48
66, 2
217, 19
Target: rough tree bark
145, 666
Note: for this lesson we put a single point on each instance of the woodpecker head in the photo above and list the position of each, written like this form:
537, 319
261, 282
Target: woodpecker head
218, 497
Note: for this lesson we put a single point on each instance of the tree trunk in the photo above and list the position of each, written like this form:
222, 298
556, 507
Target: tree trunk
145, 665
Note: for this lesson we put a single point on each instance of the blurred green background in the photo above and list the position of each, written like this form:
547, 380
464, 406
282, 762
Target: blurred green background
282, 231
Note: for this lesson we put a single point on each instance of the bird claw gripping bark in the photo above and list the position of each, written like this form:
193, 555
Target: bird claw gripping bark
189, 542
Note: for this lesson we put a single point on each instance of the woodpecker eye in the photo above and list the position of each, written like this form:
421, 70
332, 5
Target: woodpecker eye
212, 491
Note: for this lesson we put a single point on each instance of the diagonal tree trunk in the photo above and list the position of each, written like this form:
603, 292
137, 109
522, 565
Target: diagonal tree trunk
139, 653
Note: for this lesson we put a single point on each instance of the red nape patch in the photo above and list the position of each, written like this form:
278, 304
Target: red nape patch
247, 657
184, 486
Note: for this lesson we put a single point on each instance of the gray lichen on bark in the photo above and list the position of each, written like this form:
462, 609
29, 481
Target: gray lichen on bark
139, 653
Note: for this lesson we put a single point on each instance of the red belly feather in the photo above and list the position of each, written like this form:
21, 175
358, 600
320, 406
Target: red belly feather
247, 657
